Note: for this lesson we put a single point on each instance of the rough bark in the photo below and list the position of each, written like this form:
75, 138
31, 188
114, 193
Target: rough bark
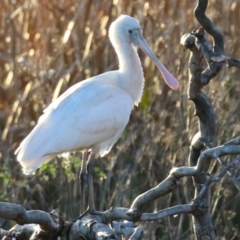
214, 56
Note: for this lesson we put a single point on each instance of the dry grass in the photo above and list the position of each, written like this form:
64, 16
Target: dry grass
47, 46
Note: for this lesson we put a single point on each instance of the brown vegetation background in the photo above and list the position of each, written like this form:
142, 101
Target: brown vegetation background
47, 46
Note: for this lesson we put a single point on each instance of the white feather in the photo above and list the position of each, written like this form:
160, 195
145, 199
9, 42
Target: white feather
92, 114
88, 116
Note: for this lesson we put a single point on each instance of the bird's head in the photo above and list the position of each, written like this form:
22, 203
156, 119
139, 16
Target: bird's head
127, 29
122, 29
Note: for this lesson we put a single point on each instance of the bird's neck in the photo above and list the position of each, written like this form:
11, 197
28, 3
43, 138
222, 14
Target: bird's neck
132, 79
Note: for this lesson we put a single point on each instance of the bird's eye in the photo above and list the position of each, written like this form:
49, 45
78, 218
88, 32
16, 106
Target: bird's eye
130, 31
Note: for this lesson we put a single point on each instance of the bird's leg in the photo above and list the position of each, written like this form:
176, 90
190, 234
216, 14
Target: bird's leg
86, 173
83, 181
90, 168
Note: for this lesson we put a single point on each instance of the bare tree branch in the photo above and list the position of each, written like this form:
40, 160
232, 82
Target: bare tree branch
21, 216
208, 26
213, 153
219, 176
187, 208
200, 49
162, 189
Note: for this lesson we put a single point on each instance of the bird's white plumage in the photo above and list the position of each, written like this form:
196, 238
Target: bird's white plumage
92, 114
88, 116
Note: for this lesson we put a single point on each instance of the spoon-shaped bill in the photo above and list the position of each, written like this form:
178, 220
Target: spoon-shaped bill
138, 40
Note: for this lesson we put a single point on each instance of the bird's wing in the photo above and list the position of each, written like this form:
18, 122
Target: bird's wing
83, 117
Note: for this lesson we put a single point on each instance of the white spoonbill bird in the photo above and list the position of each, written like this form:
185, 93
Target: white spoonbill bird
92, 114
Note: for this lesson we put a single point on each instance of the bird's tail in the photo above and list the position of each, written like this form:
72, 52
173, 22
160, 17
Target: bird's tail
30, 154
29, 166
